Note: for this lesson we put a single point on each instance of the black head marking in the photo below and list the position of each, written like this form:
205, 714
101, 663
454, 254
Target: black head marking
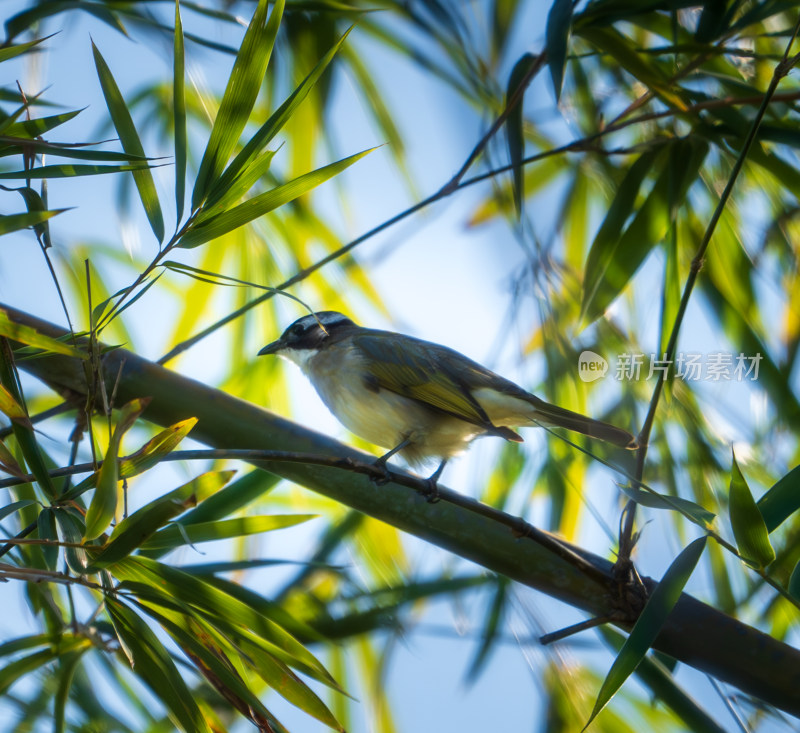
313, 331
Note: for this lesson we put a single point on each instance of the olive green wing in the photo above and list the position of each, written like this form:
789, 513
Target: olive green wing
422, 371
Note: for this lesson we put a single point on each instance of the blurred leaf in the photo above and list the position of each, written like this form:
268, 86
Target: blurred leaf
32, 337
616, 255
781, 501
671, 293
70, 170
514, 123
14, 506
749, 529
72, 529
67, 664
15, 222
135, 530
173, 536
103, 506
123, 123
794, 583
11, 408
9, 52
179, 107
493, 622
559, 27
649, 624
263, 203
154, 666
240, 95
712, 22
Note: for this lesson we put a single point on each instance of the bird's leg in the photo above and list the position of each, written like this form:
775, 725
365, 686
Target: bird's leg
381, 462
433, 486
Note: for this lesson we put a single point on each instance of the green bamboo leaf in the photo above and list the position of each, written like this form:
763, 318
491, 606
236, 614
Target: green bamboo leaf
794, 583
39, 126
23, 431
154, 450
240, 95
622, 256
34, 203
649, 624
179, 108
221, 199
171, 537
671, 289
30, 336
123, 123
46, 530
21, 667
493, 621
65, 150
135, 530
559, 28
15, 506
15, 222
205, 649
72, 528
264, 203
22, 643
9, 464
152, 663
699, 515
221, 608
752, 538
781, 501
622, 206
103, 506
712, 22
70, 170
9, 52
250, 152
68, 664
514, 132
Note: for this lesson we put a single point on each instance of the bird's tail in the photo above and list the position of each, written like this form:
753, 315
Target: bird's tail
559, 417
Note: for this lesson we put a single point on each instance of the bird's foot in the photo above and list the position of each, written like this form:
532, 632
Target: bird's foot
431, 492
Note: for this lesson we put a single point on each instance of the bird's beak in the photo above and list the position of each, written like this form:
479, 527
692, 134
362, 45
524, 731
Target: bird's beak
272, 348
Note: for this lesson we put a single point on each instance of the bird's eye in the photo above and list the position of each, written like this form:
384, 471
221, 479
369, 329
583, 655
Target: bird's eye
296, 330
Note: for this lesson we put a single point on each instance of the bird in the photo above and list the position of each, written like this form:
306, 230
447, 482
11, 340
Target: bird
417, 398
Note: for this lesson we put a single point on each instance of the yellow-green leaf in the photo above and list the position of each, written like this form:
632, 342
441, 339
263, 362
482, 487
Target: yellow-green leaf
748, 525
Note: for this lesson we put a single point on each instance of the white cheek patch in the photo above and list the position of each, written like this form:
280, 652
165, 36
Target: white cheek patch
300, 357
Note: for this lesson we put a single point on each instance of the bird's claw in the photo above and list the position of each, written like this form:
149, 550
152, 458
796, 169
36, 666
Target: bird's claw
382, 476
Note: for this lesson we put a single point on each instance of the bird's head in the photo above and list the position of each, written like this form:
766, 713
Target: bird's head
309, 335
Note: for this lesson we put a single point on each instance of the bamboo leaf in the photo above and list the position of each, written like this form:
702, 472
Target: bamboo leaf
46, 530
179, 109
781, 500
557, 33
154, 450
31, 337
14, 222
40, 125
153, 665
250, 152
794, 583
123, 123
9, 52
514, 131
264, 203
649, 624
239, 97
103, 506
171, 537
70, 170
699, 515
135, 530
749, 529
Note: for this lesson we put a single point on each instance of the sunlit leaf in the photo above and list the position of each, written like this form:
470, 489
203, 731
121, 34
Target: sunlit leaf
265, 202
240, 95
103, 506
123, 123
649, 624
748, 526
15, 222
30, 336
781, 501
